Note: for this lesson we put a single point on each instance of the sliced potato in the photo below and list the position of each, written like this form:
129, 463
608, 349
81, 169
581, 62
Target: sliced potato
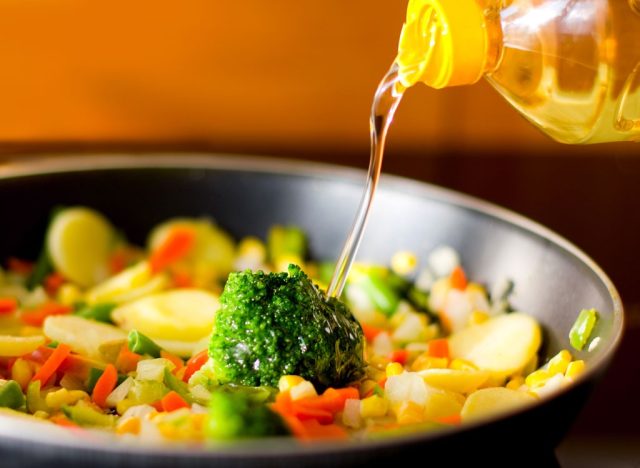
490, 401
184, 349
181, 315
442, 404
454, 380
503, 345
133, 283
82, 335
11, 346
79, 241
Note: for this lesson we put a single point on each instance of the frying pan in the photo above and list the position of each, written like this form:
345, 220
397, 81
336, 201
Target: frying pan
245, 195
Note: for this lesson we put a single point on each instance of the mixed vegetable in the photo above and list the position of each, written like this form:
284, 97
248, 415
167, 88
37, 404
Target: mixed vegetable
196, 337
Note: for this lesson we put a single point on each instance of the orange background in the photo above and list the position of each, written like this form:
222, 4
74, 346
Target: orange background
270, 77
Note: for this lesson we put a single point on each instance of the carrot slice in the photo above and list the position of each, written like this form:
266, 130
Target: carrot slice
172, 401
8, 305
35, 317
127, 360
176, 246
53, 282
370, 332
52, 364
313, 430
400, 356
177, 362
453, 419
105, 385
195, 363
439, 348
458, 279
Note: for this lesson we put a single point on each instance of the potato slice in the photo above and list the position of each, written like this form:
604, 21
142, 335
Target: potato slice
490, 401
130, 284
178, 315
459, 381
12, 346
79, 241
502, 345
82, 335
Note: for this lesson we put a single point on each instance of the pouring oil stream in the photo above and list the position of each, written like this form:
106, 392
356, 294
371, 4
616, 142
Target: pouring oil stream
387, 97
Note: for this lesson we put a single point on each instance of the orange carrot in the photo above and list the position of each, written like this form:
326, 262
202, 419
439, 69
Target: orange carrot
172, 401
181, 278
453, 419
127, 360
439, 348
53, 282
35, 317
370, 332
52, 364
105, 385
313, 430
19, 266
195, 363
176, 246
400, 356
62, 420
458, 279
177, 362
8, 305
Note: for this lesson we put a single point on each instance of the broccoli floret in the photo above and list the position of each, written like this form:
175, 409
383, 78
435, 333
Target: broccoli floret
276, 324
235, 414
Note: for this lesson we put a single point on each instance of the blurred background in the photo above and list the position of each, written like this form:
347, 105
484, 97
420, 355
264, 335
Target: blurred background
296, 80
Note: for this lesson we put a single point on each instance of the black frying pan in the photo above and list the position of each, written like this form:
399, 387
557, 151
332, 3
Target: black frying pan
554, 280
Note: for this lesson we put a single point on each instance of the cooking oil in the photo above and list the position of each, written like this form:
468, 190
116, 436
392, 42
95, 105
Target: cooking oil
572, 67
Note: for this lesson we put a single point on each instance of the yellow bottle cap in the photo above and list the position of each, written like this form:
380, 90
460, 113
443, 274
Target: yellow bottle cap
443, 43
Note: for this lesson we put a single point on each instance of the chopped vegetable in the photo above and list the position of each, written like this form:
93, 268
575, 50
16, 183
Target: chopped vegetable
99, 312
178, 243
581, 330
52, 364
8, 305
13, 346
105, 385
141, 344
11, 395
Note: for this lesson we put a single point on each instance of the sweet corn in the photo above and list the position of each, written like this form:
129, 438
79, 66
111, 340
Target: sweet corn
41, 414
21, 372
58, 398
287, 382
477, 317
538, 378
515, 383
558, 364
574, 369
30, 331
394, 368
409, 412
304, 389
373, 407
252, 247
424, 361
69, 294
129, 426
461, 364
404, 263
123, 405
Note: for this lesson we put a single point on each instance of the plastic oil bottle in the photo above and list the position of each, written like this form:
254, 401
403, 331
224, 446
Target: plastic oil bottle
572, 67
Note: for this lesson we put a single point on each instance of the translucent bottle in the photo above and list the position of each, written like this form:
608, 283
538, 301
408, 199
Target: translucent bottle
572, 67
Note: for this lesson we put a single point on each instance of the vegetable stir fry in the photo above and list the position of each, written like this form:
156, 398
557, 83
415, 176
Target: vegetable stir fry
197, 337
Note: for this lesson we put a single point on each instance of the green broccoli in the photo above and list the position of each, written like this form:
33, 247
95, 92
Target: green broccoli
276, 324
235, 414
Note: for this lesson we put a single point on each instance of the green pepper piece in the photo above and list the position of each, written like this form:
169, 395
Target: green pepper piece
35, 402
581, 330
84, 415
11, 395
380, 293
97, 312
177, 385
141, 344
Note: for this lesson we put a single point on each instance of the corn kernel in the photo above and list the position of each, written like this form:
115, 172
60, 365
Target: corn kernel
515, 383
69, 294
252, 247
30, 331
537, 378
461, 364
558, 364
58, 398
374, 407
424, 361
574, 369
129, 426
287, 382
394, 368
404, 263
41, 414
477, 317
123, 405
409, 412
169, 431
304, 389
21, 372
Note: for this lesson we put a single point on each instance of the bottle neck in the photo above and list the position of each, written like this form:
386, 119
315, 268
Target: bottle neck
449, 42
